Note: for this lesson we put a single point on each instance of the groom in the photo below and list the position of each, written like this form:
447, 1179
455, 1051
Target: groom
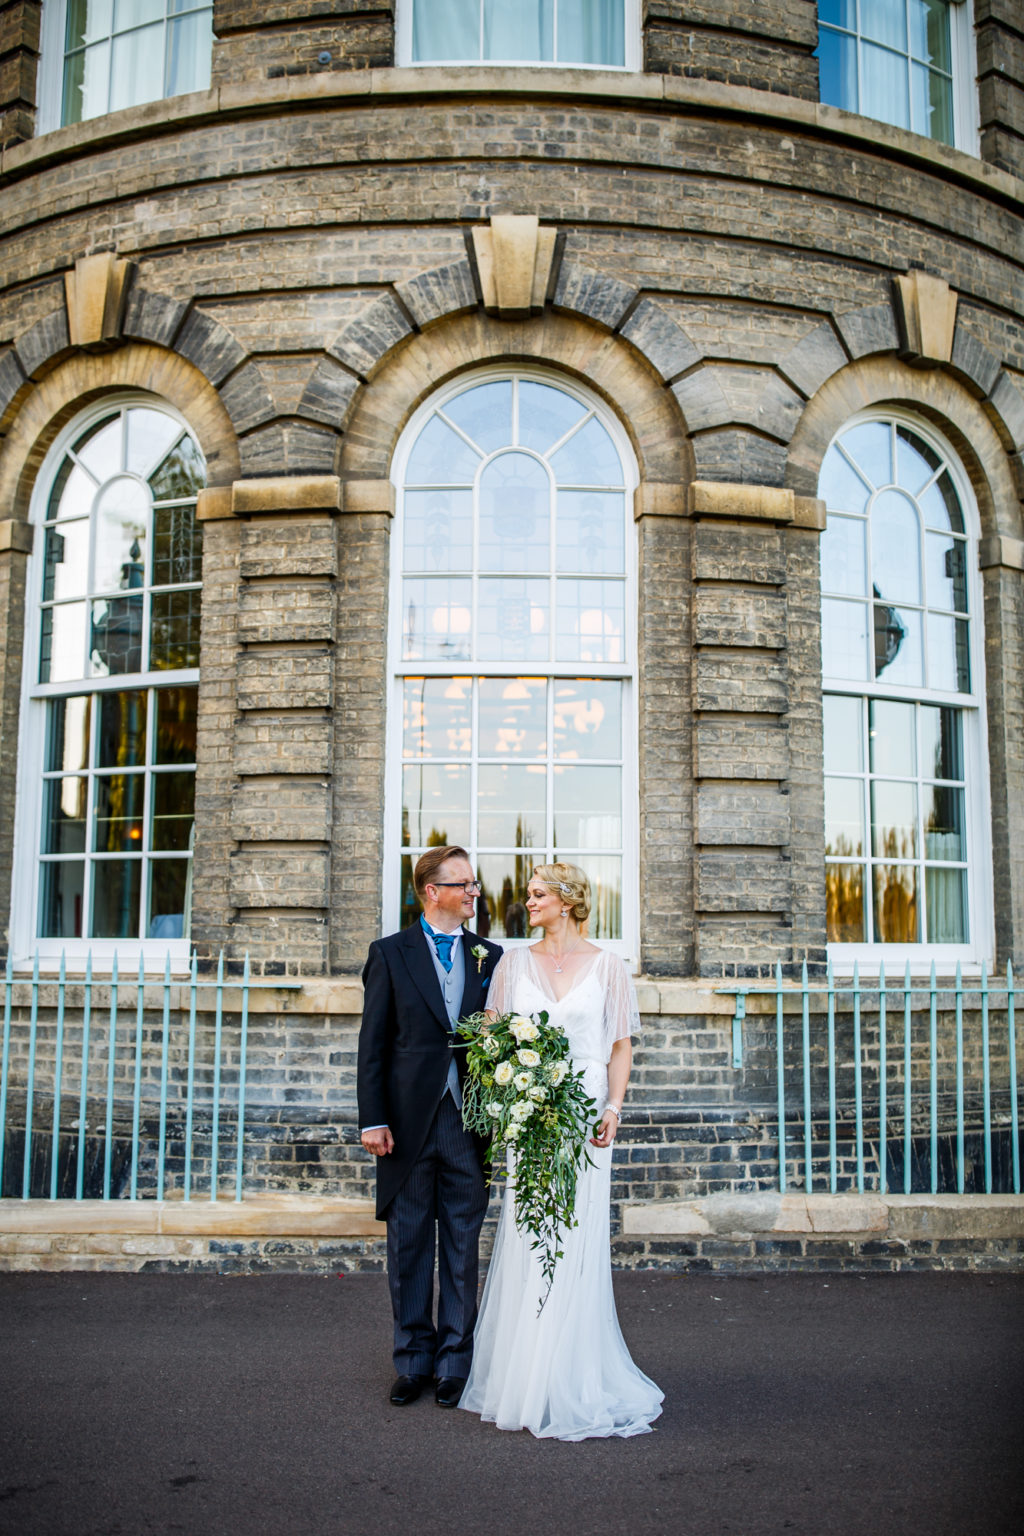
417, 985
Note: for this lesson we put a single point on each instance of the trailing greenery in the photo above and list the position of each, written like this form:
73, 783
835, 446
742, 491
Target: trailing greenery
521, 1090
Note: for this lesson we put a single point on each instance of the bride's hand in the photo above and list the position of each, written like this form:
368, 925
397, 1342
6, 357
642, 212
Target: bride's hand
606, 1130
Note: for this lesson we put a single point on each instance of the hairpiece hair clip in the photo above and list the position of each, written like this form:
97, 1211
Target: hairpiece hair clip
566, 888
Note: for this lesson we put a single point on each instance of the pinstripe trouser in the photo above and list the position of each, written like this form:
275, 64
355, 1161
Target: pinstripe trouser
445, 1188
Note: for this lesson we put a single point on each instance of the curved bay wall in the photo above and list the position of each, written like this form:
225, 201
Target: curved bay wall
288, 262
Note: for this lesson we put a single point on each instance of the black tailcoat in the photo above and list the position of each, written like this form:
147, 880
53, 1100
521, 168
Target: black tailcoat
404, 1043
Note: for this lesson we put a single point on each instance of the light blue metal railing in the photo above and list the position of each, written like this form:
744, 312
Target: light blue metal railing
178, 1010
916, 1000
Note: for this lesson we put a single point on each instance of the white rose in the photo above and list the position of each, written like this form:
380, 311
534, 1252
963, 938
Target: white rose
491, 1045
528, 1058
503, 1072
522, 1080
512, 1132
522, 1109
557, 1072
494, 1110
525, 1029
540, 1094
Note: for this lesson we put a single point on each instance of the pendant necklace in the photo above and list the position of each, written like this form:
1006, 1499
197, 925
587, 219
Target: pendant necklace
568, 952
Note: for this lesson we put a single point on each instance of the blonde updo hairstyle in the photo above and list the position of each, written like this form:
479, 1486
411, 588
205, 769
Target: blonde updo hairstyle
570, 885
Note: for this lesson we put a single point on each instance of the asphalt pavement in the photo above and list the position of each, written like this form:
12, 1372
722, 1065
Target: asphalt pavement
800, 1404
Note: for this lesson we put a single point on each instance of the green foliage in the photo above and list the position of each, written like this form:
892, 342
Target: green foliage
521, 1090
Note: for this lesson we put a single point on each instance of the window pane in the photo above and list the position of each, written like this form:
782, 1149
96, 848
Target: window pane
591, 621
891, 732
120, 802
437, 619
116, 886
66, 804
122, 729
941, 505
512, 622
885, 21
844, 818
436, 717
511, 805
843, 559
931, 104
884, 86
87, 20
177, 546
174, 802
451, 31
588, 806
948, 654
915, 461
898, 652
174, 630
545, 415
182, 473
168, 883
591, 32
605, 876
518, 29
837, 65
86, 83
844, 639
99, 448
501, 906
150, 434
115, 643
512, 716
895, 904
591, 531
944, 824
870, 446
941, 752
122, 520
67, 743
588, 718
133, 13
844, 903
588, 458
435, 804
514, 515
409, 907
484, 414
946, 894
189, 51
66, 561
947, 572
929, 32
895, 548
840, 13
176, 725
61, 900
137, 67
441, 457
893, 820
438, 530
73, 492
840, 486
62, 644
843, 724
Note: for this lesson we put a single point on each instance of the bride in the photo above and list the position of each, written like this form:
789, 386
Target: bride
564, 1373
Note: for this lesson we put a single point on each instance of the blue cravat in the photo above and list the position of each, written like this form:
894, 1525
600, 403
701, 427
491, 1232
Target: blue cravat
443, 944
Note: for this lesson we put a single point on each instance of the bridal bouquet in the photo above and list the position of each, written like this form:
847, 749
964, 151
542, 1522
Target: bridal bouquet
521, 1089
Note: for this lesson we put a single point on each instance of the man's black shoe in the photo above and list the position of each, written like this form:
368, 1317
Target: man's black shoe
407, 1389
448, 1391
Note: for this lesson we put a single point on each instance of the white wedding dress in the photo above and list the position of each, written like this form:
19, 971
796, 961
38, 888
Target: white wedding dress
566, 1373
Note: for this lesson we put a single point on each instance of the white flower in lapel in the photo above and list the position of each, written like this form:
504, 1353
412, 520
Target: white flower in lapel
479, 953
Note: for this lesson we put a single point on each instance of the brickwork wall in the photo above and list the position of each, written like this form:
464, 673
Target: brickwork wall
12, 632
19, 59
764, 47
300, 37
999, 26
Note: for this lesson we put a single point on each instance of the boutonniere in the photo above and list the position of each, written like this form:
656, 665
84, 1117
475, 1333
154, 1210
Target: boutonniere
479, 951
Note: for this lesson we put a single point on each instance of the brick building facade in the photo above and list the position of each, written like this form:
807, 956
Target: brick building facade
298, 263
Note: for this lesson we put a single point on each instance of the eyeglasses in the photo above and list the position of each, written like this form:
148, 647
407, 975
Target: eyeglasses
469, 887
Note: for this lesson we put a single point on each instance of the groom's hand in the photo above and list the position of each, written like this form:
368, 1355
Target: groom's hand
380, 1141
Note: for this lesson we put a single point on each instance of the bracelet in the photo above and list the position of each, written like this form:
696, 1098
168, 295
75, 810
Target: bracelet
616, 1111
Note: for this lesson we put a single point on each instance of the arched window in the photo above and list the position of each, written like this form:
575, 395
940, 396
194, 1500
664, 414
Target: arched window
512, 645
109, 725
903, 727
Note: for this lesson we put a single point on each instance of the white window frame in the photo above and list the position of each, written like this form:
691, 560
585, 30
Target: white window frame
628, 947
50, 75
633, 51
963, 50
26, 862
977, 804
